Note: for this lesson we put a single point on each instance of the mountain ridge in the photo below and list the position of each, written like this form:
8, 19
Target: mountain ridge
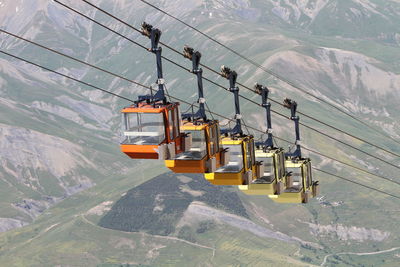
321, 46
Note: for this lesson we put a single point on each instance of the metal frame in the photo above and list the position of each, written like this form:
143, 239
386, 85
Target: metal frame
155, 34
195, 57
269, 142
292, 105
232, 76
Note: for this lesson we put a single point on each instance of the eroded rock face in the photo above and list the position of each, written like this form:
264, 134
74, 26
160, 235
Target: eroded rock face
348, 72
42, 163
34, 208
346, 233
356, 71
289, 11
7, 224
27, 148
26, 152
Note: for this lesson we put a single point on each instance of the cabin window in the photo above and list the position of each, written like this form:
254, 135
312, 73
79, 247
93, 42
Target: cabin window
235, 160
297, 179
269, 168
198, 149
143, 128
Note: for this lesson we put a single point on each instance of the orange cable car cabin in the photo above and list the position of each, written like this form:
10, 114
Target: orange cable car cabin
203, 150
151, 125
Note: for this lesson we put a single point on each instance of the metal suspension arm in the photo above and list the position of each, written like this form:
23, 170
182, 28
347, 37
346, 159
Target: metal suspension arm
232, 76
263, 91
292, 105
195, 57
155, 35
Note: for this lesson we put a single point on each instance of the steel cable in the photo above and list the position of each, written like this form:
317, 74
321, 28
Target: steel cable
121, 77
180, 100
269, 71
246, 87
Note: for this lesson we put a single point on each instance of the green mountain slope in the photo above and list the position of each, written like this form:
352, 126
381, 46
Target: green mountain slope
63, 178
69, 234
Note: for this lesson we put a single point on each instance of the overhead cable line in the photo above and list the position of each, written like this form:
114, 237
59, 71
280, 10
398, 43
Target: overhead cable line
90, 65
357, 183
246, 98
64, 55
180, 100
136, 83
69, 77
244, 86
279, 77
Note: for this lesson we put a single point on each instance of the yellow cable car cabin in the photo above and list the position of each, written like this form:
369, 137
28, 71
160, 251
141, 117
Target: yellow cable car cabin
241, 166
203, 151
151, 124
271, 179
300, 187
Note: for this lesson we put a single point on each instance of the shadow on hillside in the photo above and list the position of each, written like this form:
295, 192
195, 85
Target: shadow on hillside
157, 205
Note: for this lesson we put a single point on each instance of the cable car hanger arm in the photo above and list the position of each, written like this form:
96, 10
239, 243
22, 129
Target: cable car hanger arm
232, 76
264, 91
195, 57
155, 34
292, 105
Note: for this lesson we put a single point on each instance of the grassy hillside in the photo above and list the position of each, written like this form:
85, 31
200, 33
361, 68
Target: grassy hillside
71, 233
68, 234
73, 199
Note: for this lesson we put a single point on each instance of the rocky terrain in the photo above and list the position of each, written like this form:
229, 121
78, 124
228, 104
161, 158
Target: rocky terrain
65, 188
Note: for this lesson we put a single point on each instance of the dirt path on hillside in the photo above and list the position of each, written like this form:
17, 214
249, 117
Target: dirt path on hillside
36, 236
150, 235
359, 254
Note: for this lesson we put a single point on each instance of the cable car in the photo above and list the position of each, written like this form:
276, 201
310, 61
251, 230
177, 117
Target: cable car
151, 126
241, 167
300, 186
204, 152
272, 176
